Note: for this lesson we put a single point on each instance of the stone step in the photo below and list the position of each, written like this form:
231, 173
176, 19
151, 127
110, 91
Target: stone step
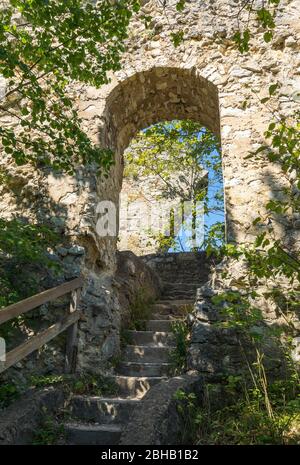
178, 290
143, 369
91, 434
172, 305
146, 354
135, 386
169, 312
182, 275
100, 409
181, 285
166, 316
151, 338
159, 325
189, 281
179, 295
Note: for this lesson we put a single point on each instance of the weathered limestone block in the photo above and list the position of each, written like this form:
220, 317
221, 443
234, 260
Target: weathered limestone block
150, 425
25, 415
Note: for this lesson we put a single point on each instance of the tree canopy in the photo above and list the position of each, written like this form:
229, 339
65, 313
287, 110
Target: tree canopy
186, 158
44, 46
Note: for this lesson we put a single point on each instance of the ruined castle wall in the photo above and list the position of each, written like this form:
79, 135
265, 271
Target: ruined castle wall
204, 79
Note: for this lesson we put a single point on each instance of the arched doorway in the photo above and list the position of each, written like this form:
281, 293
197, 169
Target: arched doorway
148, 97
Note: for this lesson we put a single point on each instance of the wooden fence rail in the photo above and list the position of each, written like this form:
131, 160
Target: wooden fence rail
69, 323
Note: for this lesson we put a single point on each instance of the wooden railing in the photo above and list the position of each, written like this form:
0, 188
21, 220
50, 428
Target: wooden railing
69, 323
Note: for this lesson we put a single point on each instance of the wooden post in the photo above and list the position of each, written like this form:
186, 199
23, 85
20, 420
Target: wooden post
71, 346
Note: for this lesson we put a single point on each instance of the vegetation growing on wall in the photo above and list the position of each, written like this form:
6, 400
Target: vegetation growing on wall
179, 354
45, 46
23, 246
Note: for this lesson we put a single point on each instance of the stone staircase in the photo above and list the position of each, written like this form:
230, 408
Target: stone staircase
145, 361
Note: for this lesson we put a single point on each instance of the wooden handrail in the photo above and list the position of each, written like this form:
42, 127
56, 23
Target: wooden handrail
68, 323
24, 306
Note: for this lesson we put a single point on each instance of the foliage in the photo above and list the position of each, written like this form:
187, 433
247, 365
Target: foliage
23, 246
9, 392
125, 338
184, 157
252, 19
186, 405
44, 46
46, 380
271, 258
263, 15
49, 432
168, 148
257, 408
78, 385
93, 385
245, 419
178, 355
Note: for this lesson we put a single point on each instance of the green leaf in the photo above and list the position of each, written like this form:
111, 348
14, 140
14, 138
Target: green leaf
268, 36
273, 88
177, 38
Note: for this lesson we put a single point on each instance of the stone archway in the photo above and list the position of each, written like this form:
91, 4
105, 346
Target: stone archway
151, 96
160, 93
157, 94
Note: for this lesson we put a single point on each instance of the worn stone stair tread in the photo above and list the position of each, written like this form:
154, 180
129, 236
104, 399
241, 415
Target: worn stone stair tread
174, 302
150, 364
175, 296
152, 338
102, 410
146, 353
147, 368
163, 316
139, 378
136, 386
146, 346
158, 320
155, 325
79, 433
180, 283
147, 331
107, 399
93, 426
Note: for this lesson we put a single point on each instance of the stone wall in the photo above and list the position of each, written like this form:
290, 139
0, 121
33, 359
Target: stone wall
215, 350
205, 79
135, 281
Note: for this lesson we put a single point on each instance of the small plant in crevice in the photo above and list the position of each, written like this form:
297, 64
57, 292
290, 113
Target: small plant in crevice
82, 384
188, 410
9, 392
178, 355
125, 338
49, 432
93, 385
47, 380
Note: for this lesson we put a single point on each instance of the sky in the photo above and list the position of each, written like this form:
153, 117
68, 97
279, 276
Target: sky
212, 217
